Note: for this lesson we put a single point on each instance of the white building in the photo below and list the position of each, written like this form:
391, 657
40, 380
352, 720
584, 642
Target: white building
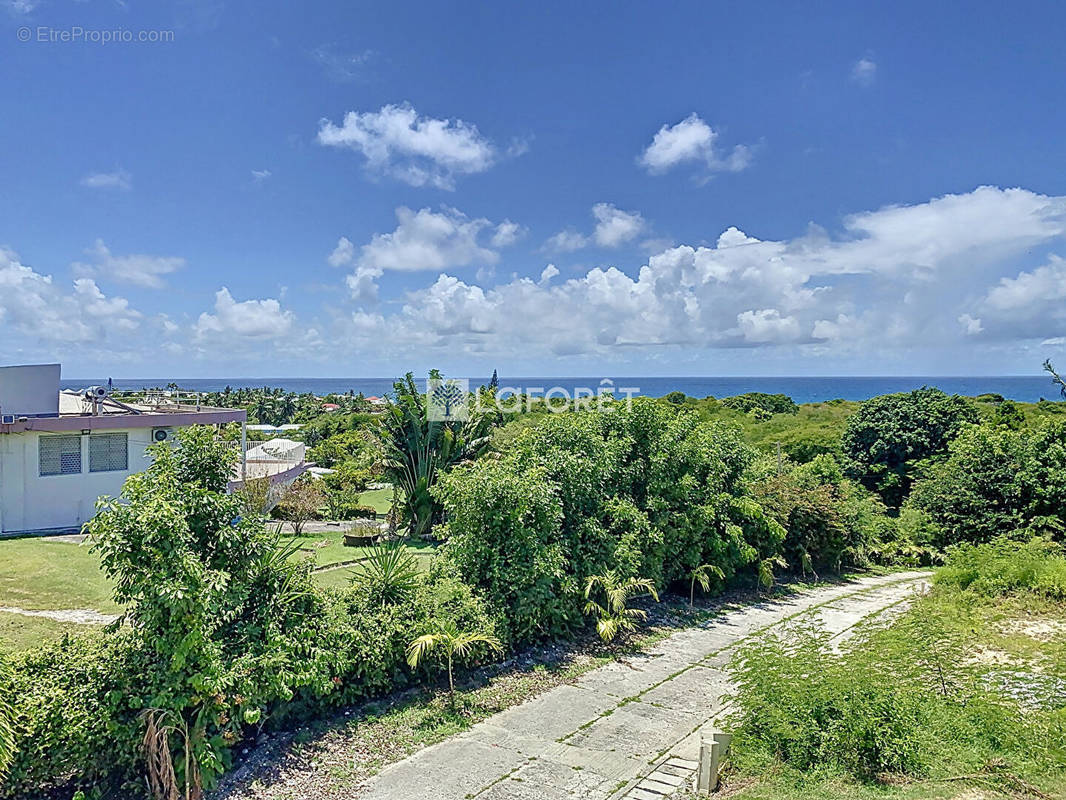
60, 451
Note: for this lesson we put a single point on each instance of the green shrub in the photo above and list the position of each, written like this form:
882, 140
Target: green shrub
996, 481
7, 711
647, 490
769, 403
1005, 566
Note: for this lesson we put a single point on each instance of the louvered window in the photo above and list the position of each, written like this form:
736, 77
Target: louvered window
108, 452
59, 455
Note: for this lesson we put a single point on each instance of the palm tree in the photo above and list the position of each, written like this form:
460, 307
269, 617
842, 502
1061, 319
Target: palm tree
703, 574
454, 643
766, 572
614, 616
415, 450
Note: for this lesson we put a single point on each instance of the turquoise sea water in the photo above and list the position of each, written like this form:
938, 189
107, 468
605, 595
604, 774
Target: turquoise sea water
1028, 388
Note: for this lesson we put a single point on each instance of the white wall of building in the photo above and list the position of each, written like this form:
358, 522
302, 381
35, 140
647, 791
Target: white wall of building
32, 502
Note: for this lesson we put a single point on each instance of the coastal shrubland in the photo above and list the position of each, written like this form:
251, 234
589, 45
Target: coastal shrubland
543, 521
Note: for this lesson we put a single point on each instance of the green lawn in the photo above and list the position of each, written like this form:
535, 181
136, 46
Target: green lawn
328, 548
18, 632
379, 499
40, 573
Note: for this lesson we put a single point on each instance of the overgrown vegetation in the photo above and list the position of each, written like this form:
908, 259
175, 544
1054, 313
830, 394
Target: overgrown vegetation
572, 517
911, 700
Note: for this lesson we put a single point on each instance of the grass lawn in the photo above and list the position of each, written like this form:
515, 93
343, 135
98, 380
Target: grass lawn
379, 499
328, 548
18, 633
41, 573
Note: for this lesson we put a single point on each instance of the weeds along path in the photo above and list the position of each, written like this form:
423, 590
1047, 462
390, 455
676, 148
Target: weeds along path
629, 729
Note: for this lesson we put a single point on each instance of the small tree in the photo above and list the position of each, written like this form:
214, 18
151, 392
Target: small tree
702, 575
614, 616
254, 494
300, 503
454, 643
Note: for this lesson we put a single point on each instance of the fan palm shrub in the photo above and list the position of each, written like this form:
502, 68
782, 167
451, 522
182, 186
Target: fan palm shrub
702, 575
453, 643
614, 616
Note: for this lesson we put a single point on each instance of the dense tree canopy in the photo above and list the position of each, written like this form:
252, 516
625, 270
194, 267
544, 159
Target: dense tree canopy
997, 481
648, 491
889, 434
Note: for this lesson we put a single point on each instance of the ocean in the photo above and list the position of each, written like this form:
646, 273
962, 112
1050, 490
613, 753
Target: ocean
1027, 388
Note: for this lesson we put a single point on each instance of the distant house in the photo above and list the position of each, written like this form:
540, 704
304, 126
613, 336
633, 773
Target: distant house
273, 429
330, 407
377, 401
61, 450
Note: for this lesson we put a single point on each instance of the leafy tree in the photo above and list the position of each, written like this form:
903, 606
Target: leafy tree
996, 481
387, 576
416, 450
300, 503
770, 403
614, 616
674, 398
889, 434
255, 495
702, 575
1008, 415
208, 594
454, 643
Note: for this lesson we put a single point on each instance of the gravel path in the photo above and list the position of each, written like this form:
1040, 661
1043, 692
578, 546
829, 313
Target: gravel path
624, 730
79, 616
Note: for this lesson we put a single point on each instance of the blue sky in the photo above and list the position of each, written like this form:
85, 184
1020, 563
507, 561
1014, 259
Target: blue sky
555, 188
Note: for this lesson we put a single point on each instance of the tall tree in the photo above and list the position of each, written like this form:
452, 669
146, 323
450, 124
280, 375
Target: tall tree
416, 449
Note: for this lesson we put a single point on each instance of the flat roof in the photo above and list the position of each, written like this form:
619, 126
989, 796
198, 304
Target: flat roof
154, 411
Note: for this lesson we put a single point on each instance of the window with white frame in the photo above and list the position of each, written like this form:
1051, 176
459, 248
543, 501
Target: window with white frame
59, 455
108, 452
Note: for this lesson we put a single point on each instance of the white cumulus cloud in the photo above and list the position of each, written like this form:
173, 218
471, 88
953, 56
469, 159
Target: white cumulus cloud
419, 150
428, 240
615, 227
691, 141
864, 71
247, 319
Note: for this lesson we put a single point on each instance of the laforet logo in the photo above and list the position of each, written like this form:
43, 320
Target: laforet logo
446, 399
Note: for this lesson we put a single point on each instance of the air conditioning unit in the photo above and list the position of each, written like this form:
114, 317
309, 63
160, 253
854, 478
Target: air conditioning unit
163, 435
7, 419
